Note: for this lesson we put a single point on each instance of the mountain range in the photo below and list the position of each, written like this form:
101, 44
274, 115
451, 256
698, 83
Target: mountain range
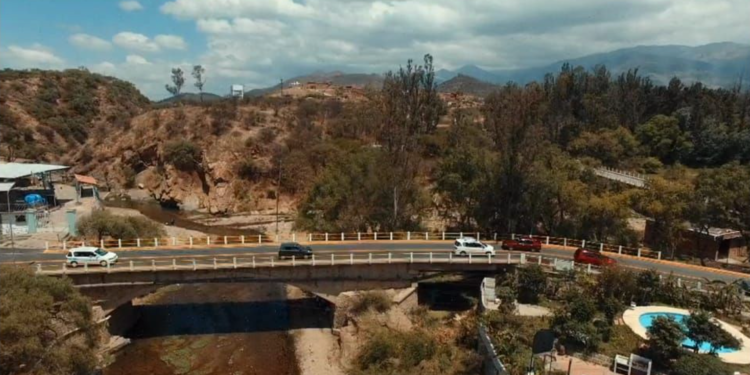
716, 65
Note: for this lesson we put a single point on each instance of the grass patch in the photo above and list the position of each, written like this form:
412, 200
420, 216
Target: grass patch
375, 300
623, 341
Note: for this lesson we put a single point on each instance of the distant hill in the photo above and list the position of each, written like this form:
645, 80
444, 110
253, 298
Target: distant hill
468, 85
189, 97
716, 65
336, 78
48, 115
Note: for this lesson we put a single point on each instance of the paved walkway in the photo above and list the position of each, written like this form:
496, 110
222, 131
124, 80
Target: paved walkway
579, 366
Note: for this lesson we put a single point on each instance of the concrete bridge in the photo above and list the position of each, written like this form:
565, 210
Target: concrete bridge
626, 177
328, 274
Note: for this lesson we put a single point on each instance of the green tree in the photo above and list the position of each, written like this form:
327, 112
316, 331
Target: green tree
574, 322
183, 154
664, 139
178, 80
354, 194
666, 202
665, 338
701, 329
462, 175
722, 198
200, 80
610, 146
47, 325
410, 108
532, 281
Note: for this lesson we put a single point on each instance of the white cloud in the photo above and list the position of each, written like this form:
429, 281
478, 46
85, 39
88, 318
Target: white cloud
377, 36
86, 41
34, 56
135, 42
130, 6
136, 59
170, 42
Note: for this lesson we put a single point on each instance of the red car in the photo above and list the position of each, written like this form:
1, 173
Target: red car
525, 244
584, 256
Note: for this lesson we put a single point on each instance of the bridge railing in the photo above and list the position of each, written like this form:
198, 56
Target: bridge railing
246, 261
259, 239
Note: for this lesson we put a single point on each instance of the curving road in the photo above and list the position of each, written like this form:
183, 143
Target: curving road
49, 259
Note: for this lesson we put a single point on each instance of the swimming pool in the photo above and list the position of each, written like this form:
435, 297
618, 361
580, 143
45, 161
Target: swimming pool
648, 318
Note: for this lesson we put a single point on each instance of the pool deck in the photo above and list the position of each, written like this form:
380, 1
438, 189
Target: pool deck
742, 356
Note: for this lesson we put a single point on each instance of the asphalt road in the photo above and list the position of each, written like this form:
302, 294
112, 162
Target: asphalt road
49, 259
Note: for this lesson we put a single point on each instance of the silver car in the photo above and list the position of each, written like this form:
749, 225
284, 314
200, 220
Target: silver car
90, 255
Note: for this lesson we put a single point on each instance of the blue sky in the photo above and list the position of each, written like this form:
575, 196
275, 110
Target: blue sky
256, 42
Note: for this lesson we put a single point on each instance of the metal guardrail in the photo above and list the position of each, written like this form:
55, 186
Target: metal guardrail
153, 243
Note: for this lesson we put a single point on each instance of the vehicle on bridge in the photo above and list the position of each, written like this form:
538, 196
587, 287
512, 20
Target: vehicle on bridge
90, 255
584, 256
469, 245
524, 243
293, 249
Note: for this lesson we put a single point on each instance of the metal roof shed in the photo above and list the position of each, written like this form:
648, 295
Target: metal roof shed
12, 171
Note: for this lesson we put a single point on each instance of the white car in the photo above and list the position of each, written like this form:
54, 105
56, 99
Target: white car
90, 255
468, 245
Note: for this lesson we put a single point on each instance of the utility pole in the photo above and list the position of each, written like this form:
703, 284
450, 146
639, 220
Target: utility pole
278, 185
281, 85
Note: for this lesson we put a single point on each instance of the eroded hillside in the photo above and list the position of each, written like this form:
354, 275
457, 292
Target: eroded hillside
49, 115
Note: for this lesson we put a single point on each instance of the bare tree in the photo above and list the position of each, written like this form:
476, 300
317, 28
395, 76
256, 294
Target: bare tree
198, 71
178, 78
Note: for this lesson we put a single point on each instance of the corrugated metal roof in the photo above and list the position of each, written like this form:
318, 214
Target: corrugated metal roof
85, 179
6, 186
17, 170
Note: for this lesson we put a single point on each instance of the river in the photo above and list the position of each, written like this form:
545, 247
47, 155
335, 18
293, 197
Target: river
238, 329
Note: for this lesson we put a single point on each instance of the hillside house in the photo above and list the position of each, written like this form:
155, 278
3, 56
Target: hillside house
237, 91
713, 243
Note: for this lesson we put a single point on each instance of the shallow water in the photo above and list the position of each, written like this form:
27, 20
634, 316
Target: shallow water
239, 328
647, 319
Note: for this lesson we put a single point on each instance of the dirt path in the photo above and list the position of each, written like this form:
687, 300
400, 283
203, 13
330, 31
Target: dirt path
317, 349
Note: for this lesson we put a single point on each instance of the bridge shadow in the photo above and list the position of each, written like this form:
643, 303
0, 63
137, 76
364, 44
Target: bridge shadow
230, 317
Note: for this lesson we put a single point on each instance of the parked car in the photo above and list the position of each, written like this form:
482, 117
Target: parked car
90, 255
293, 249
585, 256
524, 243
469, 245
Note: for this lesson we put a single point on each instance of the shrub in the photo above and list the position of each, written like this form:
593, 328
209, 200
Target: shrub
266, 135
699, 364
129, 175
102, 223
377, 351
183, 154
531, 283
248, 169
35, 312
375, 300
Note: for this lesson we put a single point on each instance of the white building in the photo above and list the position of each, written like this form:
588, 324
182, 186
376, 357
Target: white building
237, 91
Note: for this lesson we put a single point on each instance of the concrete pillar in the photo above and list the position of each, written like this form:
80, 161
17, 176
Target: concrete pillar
31, 222
225, 240
375, 236
359, 236
326, 236
70, 217
547, 240
242, 239
342, 236
443, 236
391, 236
408, 236
639, 252
619, 249
101, 244
601, 247
583, 244
138, 242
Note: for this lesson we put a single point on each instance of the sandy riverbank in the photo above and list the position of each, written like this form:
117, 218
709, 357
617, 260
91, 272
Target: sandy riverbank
317, 349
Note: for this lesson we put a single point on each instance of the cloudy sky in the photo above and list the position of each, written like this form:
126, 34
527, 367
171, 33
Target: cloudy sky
256, 42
